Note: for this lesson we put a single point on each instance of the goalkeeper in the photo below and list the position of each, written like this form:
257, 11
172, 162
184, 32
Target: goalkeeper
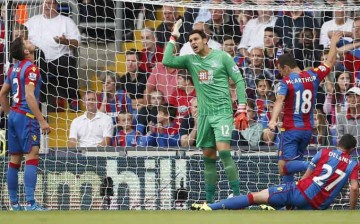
210, 70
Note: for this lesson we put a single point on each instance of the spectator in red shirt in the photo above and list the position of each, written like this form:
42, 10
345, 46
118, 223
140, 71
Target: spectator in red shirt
182, 96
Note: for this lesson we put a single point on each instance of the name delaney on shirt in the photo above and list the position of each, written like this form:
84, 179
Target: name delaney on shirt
340, 158
301, 80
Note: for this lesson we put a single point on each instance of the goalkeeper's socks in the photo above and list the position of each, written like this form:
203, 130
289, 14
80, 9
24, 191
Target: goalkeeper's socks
30, 177
12, 180
231, 171
295, 166
234, 203
210, 178
210, 193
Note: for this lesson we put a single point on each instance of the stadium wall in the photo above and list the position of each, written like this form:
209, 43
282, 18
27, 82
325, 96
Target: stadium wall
68, 183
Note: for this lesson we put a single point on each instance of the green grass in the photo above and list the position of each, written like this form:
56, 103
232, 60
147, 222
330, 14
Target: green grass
183, 217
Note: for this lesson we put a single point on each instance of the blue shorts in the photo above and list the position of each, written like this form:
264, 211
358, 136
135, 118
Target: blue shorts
288, 195
23, 133
293, 144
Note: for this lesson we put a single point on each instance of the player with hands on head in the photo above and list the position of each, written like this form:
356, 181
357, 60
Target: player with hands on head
296, 98
23, 82
328, 172
210, 70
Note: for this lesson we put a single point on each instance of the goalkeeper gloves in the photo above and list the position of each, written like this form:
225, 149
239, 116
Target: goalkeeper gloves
175, 34
241, 121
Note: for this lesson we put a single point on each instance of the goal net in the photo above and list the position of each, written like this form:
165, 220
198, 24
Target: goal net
114, 49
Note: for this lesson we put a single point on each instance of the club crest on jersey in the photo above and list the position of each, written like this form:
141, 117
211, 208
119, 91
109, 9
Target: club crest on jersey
32, 76
214, 65
235, 69
34, 137
33, 69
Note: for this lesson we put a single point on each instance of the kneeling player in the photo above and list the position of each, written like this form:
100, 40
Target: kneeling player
328, 172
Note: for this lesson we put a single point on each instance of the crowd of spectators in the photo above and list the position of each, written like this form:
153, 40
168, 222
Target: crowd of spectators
152, 105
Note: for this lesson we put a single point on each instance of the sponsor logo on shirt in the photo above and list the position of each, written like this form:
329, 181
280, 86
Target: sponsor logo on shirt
32, 76
322, 68
206, 77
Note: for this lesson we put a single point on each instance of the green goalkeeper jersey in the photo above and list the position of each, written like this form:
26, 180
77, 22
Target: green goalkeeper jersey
210, 75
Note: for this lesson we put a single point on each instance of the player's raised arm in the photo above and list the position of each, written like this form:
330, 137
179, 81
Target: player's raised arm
169, 59
331, 58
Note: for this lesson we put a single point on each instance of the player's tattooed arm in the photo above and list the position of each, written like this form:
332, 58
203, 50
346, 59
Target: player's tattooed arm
33, 105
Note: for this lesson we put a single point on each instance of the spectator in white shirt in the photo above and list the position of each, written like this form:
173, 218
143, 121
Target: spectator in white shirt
93, 128
58, 37
186, 49
340, 22
204, 14
253, 35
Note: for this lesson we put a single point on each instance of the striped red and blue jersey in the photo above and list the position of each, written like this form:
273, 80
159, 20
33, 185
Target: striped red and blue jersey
120, 103
300, 90
332, 168
23, 73
352, 60
126, 139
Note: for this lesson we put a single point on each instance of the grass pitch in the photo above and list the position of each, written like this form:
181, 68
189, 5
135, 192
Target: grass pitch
181, 217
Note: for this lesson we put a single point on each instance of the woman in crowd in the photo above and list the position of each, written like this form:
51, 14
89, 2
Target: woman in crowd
335, 101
